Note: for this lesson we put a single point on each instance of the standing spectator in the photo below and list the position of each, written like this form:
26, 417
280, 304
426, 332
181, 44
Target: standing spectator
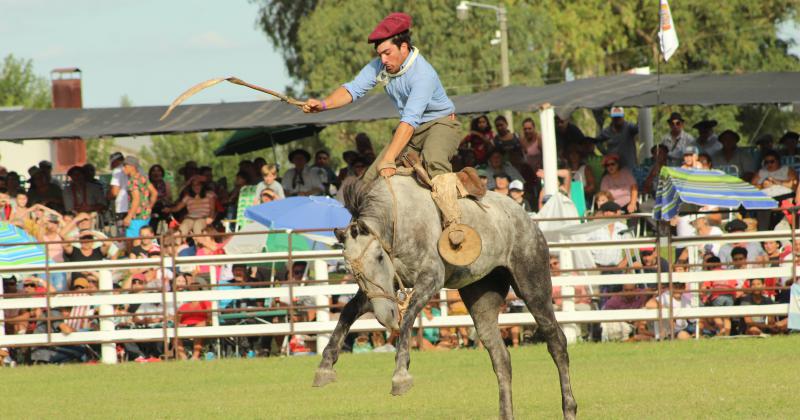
359, 167
706, 140
44, 192
580, 172
348, 157
156, 177
677, 139
660, 157
517, 193
143, 195
567, 133
322, 163
479, 139
118, 190
731, 156
81, 195
620, 183
301, 180
621, 137
363, 147
50, 233
199, 203
14, 184
505, 140
269, 176
532, 144
789, 143
611, 259
497, 165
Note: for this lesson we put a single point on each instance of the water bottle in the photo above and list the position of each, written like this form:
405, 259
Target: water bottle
210, 355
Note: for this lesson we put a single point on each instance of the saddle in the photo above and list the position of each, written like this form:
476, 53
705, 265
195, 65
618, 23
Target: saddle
468, 177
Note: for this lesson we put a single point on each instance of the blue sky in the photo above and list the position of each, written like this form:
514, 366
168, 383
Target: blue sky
146, 49
152, 50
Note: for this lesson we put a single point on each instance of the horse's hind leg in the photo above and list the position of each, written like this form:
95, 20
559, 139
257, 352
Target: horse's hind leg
483, 300
351, 311
532, 283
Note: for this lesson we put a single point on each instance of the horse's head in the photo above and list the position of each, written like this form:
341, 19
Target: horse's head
373, 270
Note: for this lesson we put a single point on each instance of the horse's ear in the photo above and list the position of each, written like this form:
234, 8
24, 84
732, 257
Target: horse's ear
340, 234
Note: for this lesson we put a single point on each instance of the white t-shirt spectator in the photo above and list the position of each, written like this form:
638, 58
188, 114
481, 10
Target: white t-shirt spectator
607, 257
308, 180
119, 179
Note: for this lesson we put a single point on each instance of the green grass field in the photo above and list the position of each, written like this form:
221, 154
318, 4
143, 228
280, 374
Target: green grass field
743, 378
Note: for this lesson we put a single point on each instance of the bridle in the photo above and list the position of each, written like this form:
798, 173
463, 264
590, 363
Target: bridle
403, 295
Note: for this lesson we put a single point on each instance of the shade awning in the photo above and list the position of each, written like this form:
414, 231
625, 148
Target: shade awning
244, 141
705, 188
598, 92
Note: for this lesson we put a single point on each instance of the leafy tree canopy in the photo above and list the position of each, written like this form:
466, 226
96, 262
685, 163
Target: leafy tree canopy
20, 86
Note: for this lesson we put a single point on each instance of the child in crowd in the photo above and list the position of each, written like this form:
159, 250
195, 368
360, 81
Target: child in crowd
269, 176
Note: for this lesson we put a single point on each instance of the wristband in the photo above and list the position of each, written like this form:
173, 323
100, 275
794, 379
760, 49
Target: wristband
324, 106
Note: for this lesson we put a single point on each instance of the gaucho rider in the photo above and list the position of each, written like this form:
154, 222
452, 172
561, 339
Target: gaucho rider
427, 120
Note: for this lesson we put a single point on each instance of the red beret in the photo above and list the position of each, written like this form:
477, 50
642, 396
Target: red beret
390, 26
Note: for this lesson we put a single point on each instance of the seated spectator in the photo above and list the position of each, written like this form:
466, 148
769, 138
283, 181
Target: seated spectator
323, 166
660, 157
564, 185
704, 161
722, 292
601, 198
631, 298
267, 195
298, 275
20, 214
505, 140
479, 139
501, 183
517, 193
611, 259
731, 156
50, 233
81, 195
620, 183
650, 263
497, 165
200, 205
59, 354
269, 179
581, 299
86, 251
754, 250
16, 320
677, 139
79, 316
774, 253
348, 157
678, 300
302, 179
146, 245
690, 158
209, 243
430, 335
773, 173
759, 324
192, 314
706, 140
704, 228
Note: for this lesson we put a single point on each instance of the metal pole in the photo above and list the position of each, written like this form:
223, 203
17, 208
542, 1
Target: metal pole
108, 351
549, 152
504, 70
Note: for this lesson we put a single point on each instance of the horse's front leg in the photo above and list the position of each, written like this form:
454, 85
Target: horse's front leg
402, 380
352, 310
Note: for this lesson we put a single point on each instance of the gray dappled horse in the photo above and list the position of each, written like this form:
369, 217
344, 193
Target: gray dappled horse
514, 253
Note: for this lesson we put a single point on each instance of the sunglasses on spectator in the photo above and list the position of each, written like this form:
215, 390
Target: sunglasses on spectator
137, 282
29, 285
676, 122
768, 161
79, 287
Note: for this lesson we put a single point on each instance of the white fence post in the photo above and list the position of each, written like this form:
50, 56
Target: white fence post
323, 314
108, 351
571, 331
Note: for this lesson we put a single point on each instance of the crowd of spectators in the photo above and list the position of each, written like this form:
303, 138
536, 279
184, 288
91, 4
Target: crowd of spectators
188, 213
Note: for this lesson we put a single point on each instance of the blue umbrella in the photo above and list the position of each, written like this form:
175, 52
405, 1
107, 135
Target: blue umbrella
12, 255
301, 213
705, 188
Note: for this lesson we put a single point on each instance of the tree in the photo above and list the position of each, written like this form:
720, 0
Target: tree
20, 86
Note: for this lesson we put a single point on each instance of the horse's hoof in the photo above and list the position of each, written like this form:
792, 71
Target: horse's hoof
401, 384
324, 377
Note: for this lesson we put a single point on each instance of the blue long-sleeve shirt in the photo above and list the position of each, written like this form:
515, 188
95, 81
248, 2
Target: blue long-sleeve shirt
418, 94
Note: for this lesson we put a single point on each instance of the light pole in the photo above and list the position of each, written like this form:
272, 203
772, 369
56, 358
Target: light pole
462, 12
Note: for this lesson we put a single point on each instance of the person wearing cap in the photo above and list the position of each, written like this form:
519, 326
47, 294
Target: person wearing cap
677, 138
621, 137
118, 188
301, 180
143, 196
620, 183
426, 113
427, 116
567, 133
690, 158
706, 140
516, 190
733, 159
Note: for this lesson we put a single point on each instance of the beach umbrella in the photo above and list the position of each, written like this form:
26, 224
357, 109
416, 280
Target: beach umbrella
14, 255
301, 213
703, 187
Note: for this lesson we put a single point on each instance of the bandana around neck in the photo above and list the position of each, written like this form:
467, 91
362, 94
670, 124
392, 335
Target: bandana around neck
384, 76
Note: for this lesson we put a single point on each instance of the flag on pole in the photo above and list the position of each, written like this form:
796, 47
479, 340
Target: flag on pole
666, 32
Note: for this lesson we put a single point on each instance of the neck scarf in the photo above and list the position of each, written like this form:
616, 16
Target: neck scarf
384, 76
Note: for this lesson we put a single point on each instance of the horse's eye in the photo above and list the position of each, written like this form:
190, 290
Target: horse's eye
380, 258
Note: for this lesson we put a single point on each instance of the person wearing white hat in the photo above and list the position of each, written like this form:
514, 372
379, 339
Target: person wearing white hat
621, 137
516, 190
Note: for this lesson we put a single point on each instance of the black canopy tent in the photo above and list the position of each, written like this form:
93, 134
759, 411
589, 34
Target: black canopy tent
594, 93
244, 141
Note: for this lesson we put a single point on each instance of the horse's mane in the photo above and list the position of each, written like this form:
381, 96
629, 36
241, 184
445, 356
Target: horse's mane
369, 201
